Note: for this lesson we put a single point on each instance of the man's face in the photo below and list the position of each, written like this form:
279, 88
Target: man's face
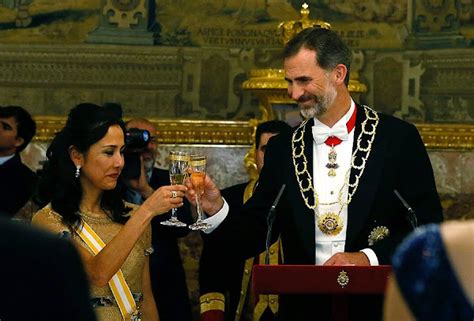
9, 140
149, 154
264, 137
308, 84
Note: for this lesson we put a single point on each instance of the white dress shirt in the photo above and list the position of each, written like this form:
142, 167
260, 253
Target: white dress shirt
5, 159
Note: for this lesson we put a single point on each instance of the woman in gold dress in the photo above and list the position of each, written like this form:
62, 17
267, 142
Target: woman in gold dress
85, 160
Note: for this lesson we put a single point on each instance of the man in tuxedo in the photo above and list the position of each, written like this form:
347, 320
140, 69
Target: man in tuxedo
341, 167
17, 182
41, 277
166, 268
232, 283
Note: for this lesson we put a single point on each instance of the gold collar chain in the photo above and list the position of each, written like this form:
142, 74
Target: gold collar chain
304, 177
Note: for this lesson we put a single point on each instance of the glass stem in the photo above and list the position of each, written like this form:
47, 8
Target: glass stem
198, 207
174, 215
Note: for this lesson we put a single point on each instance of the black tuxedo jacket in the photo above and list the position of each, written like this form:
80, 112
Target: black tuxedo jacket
227, 279
41, 277
17, 184
398, 160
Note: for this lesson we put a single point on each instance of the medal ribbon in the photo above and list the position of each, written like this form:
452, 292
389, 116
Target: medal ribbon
333, 140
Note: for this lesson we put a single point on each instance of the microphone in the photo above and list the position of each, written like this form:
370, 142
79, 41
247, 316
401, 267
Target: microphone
411, 215
270, 220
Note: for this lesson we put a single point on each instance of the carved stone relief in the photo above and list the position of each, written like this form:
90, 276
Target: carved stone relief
430, 86
387, 85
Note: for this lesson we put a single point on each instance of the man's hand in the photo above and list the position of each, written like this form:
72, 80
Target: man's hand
141, 183
211, 200
346, 258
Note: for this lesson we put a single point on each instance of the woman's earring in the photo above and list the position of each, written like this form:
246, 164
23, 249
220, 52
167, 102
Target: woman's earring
78, 171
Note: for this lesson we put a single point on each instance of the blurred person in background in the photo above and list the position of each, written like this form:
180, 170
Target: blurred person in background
17, 181
168, 280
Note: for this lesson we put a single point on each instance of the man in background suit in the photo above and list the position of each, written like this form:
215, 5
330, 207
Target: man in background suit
41, 277
340, 167
232, 283
17, 181
166, 268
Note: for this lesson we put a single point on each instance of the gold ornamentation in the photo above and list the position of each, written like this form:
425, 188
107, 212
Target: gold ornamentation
432, 15
125, 12
125, 5
332, 162
355, 86
343, 279
174, 157
447, 136
367, 135
289, 29
211, 132
266, 79
94, 218
208, 132
330, 223
212, 301
377, 234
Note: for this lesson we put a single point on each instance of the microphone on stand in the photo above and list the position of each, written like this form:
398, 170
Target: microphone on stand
411, 215
270, 220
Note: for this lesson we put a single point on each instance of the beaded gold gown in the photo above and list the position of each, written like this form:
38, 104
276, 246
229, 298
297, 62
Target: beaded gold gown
106, 229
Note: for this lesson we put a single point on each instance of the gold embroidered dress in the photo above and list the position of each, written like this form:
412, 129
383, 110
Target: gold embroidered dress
106, 229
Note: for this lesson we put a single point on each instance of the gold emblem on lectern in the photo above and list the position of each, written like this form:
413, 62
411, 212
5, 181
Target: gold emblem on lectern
343, 279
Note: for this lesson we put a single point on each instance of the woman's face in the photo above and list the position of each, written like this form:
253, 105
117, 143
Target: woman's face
103, 162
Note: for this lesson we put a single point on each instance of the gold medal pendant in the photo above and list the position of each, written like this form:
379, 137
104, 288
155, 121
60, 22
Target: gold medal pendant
330, 223
332, 165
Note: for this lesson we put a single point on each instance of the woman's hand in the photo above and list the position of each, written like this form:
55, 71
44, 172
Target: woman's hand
164, 199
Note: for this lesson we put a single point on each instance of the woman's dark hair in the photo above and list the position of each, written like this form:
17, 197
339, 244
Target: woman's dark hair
86, 124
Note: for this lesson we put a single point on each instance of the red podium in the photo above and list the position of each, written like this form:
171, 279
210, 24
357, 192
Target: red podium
337, 281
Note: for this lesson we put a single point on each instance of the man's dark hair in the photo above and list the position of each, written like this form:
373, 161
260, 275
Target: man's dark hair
26, 124
271, 126
329, 47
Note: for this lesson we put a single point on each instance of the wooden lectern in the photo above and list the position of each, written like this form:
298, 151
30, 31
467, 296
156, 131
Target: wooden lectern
337, 281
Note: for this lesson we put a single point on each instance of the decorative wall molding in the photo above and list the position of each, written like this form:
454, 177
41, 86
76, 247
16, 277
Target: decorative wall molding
447, 136
197, 132
85, 66
149, 81
194, 132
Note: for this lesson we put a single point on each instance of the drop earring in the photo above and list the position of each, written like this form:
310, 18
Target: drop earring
78, 171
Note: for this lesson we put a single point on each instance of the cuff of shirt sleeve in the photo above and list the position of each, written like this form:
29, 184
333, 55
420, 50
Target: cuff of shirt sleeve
374, 261
216, 219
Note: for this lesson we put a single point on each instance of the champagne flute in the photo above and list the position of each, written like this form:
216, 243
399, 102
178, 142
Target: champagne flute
178, 167
197, 168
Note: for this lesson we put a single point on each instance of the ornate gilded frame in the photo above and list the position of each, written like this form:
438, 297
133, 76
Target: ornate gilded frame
210, 132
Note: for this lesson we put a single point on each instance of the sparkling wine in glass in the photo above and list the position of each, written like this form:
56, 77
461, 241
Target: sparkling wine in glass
178, 167
197, 170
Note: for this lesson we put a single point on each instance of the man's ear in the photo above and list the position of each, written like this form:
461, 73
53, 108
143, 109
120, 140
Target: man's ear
75, 155
19, 141
340, 72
